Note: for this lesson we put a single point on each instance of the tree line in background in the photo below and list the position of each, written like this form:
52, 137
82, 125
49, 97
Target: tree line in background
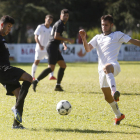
85, 13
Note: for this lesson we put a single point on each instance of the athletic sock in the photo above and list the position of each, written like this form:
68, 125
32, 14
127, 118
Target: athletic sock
60, 75
22, 95
115, 109
111, 81
51, 74
44, 74
34, 67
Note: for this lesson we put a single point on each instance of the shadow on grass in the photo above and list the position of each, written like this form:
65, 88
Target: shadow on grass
130, 94
136, 126
82, 131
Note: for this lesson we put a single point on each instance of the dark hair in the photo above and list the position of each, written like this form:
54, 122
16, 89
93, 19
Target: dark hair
107, 17
7, 19
50, 16
64, 11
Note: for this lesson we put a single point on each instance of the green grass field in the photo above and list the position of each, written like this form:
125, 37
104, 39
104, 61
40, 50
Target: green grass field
91, 117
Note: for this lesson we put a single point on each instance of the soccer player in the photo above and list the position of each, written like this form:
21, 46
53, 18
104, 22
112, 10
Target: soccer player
107, 45
10, 76
42, 34
54, 55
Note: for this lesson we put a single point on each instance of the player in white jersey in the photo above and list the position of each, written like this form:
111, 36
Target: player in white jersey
108, 45
42, 34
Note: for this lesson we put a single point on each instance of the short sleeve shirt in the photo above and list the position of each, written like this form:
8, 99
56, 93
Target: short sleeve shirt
58, 27
108, 46
43, 35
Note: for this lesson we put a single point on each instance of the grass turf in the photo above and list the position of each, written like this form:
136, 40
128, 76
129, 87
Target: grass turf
91, 116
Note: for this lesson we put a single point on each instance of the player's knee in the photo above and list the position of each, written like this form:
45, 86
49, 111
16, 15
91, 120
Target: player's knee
29, 78
65, 66
107, 69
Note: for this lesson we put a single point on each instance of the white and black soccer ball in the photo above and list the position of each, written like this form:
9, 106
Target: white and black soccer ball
63, 107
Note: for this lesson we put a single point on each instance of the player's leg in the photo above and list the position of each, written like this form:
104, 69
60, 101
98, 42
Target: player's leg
108, 97
52, 59
16, 124
27, 80
34, 68
42, 75
51, 76
109, 71
61, 70
39, 55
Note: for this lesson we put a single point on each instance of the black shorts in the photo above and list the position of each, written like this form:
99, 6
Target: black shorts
9, 78
54, 55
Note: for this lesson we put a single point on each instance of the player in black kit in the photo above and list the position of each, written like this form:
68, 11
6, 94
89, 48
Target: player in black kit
10, 76
54, 55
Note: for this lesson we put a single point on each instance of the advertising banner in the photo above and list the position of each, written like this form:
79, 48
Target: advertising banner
93, 56
25, 53
80, 54
12, 51
69, 54
131, 53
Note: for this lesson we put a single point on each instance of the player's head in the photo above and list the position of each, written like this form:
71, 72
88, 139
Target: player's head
6, 23
48, 19
64, 15
106, 23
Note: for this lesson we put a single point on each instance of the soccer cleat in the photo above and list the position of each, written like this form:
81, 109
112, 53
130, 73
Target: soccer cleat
116, 96
34, 85
118, 120
20, 126
58, 88
17, 114
52, 78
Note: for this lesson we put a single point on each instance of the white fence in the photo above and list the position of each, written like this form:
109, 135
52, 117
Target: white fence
24, 53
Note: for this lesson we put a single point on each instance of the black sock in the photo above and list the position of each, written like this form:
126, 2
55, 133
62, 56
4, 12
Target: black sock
60, 75
22, 95
44, 74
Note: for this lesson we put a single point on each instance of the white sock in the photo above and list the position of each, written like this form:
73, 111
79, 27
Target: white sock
115, 109
58, 84
111, 81
34, 67
51, 74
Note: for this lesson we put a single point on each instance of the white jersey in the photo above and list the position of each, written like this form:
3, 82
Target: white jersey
43, 35
108, 47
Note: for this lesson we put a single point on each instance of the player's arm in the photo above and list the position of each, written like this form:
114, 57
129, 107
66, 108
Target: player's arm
57, 36
37, 41
88, 47
135, 42
65, 46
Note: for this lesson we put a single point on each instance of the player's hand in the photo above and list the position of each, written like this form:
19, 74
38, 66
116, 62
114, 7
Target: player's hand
82, 33
65, 46
41, 47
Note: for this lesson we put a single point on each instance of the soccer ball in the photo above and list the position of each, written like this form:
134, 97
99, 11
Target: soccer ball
63, 107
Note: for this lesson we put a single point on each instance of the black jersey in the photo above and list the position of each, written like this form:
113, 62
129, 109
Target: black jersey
58, 27
4, 53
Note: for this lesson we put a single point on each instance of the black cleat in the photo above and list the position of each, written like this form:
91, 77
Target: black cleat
20, 126
34, 85
116, 96
58, 88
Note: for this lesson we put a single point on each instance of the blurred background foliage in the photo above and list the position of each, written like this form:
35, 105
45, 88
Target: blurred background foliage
86, 13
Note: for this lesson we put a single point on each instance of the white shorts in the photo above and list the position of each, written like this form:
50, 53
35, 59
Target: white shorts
39, 55
102, 75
